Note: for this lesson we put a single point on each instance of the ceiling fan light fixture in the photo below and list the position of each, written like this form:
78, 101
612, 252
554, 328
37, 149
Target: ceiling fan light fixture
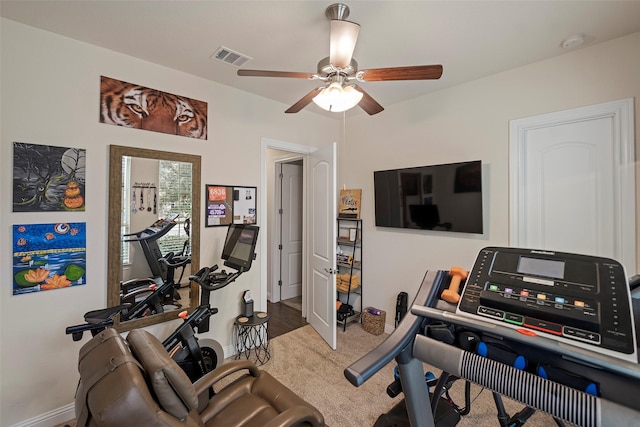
339, 68
344, 35
337, 98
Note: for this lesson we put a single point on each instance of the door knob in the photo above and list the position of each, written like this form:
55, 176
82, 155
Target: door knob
330, 270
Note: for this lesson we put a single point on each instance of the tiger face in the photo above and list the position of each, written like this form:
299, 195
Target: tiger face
133, 106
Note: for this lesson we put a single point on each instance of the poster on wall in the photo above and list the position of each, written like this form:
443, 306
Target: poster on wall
219, 205
349, 207
48, 256
230, 205
134, 106
48, 178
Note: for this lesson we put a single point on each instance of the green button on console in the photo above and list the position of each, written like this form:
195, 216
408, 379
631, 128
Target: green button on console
516, 319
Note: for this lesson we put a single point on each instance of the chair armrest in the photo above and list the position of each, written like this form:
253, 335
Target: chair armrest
209, 379
296, 416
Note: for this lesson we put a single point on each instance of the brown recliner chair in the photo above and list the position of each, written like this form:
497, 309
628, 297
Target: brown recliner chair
134, 382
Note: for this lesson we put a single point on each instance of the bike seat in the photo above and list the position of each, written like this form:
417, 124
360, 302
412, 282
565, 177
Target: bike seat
99, 316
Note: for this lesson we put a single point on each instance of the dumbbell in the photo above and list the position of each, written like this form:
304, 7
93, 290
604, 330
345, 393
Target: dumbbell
451, 293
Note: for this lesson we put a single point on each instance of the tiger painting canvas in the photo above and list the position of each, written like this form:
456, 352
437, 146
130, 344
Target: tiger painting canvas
134, 106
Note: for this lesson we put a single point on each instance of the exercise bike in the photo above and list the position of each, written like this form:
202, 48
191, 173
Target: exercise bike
153, 298
136, 304
199, 356
195, 356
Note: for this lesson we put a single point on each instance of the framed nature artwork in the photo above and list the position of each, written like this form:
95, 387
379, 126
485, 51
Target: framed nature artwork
48, 178
48, 256
134, 106
230, 205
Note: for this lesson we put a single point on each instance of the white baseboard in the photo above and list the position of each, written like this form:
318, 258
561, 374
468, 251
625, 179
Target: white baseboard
229, 351
51, 418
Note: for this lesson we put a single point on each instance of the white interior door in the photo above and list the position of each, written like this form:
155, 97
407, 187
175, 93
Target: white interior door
573, 183
291, 231
322, 243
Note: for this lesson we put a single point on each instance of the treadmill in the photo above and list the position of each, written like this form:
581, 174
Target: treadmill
553, 331
148, 240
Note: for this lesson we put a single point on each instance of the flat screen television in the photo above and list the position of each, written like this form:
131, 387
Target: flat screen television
445, 197
240, 246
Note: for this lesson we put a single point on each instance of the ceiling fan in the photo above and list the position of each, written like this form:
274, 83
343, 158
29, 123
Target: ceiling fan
338, 71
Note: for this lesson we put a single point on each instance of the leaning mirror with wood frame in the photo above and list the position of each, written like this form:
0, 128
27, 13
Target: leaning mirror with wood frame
143, 196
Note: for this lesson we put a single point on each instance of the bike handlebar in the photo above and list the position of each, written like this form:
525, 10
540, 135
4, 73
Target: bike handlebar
170, 256
203, 278
200, 275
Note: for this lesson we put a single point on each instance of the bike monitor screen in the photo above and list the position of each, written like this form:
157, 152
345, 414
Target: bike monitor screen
240, 246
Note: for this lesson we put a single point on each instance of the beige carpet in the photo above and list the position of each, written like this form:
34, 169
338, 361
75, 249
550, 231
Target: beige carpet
307, 365
303, 362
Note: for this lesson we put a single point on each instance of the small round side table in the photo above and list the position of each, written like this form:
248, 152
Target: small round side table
251, 338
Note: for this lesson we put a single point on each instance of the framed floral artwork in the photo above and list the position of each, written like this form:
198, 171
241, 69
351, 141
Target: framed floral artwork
48, 256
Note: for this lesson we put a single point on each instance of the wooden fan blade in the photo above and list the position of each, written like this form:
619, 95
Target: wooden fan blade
304, 101
343, 38
265, 73
416, 72
367, 103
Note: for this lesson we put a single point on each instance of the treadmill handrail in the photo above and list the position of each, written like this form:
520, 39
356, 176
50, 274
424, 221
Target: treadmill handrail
566, 350
558, 400
150, 233
365, 367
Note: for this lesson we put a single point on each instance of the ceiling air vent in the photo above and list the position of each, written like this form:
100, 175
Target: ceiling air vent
229, 56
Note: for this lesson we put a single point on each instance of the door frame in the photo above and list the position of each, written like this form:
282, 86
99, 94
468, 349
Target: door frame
276, 223
622, 114
266, 170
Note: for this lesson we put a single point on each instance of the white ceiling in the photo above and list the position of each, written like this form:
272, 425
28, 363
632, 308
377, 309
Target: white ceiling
471, 39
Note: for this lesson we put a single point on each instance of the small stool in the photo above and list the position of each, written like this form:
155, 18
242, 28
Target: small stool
252, 341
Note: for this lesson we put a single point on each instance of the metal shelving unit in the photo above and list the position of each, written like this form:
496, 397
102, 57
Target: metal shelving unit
349, 262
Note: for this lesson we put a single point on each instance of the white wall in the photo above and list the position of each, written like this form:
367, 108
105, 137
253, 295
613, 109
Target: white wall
50, 94
468, 122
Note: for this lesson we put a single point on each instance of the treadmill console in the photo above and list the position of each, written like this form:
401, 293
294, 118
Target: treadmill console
576, 299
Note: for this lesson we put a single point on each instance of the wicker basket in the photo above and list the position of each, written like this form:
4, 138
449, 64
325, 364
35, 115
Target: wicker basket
373, 323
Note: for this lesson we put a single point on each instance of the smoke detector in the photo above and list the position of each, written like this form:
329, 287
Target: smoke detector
573, 42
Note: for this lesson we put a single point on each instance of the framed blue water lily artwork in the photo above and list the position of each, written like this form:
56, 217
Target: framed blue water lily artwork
48, 256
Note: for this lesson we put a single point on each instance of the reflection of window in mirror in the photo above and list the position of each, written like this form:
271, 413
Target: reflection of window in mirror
174, 197
154, 189
126, 205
